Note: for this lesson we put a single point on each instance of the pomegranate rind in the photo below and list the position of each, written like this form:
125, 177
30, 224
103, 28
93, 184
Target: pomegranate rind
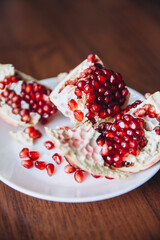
76, 147
61, 99
22, 137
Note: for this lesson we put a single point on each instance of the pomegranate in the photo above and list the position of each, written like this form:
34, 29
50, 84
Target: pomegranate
23, 101
96, 91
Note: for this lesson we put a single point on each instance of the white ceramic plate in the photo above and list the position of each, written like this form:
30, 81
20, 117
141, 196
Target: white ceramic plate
61, 187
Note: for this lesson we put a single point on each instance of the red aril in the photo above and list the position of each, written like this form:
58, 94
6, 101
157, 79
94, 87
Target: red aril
79, 176
35, 134
41, 165
157, 130
24, 153
34, 155
110, 178
79, 116
49, 145
69, 169
27, 164
72, 104
57, 158
50, 169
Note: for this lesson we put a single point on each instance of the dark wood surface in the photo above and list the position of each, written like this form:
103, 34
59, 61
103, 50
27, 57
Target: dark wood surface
43, 38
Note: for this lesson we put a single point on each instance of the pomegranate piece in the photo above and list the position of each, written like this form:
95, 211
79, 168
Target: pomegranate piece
78, 115
69, 169
57, 158
33, 95
27, 164
49, 145
33, 155
24, 153
50, 169
41, 165
79, 176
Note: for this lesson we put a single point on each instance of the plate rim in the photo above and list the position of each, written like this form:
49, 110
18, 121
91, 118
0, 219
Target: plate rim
80, 199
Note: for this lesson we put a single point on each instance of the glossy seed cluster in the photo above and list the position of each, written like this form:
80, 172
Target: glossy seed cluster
34, 94
119, 139
104, 91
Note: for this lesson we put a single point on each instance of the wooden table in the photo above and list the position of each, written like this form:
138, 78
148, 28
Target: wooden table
43, 38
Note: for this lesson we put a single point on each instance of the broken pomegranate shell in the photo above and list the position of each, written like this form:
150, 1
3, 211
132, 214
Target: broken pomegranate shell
23, 100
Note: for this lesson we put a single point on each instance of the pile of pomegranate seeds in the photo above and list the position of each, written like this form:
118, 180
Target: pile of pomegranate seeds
36, 95
49, 145
33, 157
32, 132
119, 139
104, 91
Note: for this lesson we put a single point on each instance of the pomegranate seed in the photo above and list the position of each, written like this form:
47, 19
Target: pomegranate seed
16, 99
78, 92
6, 80
91, 57
101, 127
29, 130
24, 112
146, 107
133, 151
118, 139
113, 79
88, 88
79, 116
90, 115
69, 169
57, 158
49, 145
24, 153
41, 165
96, 84
147, 95
121, 133
128, 118
50, 169
124, 144
78, 176
143, 142
110, 134
95, 107
121, 85
117, 158
100, 141
33, 155
140, 112
35, 134
95, 176
103, 113
14, 79
102, 79
152, 112
127, 138
124, 92
157, 130
26, 118
81, 84
117, 116
28, 88
27, 164
130, 132
101, 90
72, 104
133, 125
90, 97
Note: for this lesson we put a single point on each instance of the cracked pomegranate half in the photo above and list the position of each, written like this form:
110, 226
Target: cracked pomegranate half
23, 101
130, 143
90, 92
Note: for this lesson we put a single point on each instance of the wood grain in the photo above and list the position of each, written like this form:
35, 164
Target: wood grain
43, 38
